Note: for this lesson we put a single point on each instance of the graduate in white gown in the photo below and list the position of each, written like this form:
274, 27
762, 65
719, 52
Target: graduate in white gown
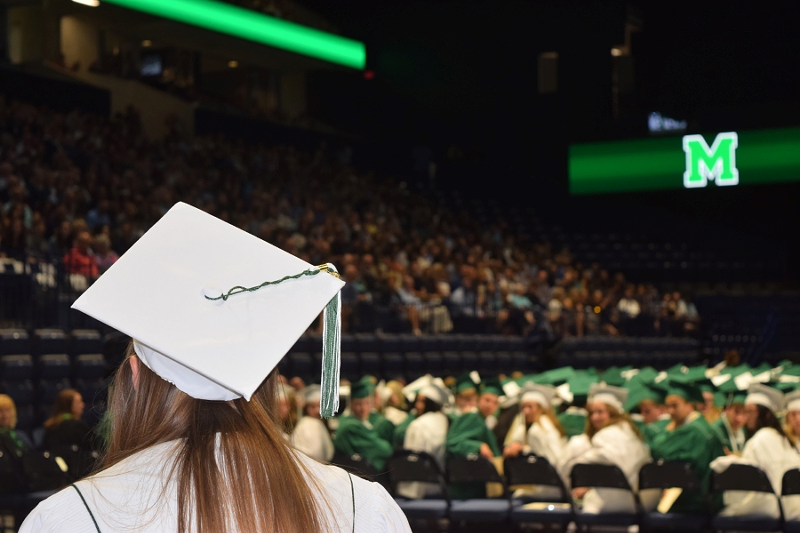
611, 439
193, 440
427, 433
311, 435
791, 424
537, 431
769, 449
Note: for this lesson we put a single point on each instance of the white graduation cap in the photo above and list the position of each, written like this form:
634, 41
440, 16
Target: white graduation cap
612, 396
541, 394
434, 392
213, 309
758, 394
792, 401
310, 394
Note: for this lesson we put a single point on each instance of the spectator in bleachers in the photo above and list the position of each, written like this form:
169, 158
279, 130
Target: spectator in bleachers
730, 424
311, 435
65, 427
610, 438
13, 443
427, 433
103, 254
537, 430
356, 434
689, 439
80, 259
768, 449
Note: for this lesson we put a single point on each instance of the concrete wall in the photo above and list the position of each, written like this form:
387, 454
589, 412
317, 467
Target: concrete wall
25, 30
79, 42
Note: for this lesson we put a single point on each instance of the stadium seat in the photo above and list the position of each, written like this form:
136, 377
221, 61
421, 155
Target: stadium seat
392, 365
49, 341
49, 389
487, 363
664, 475
301, 364
14, 341
469, 361
433, 363
606, 476
85, 341
370, 363
415, 365
25, 417
54, 366
20, 391
16, 367
351, 366
90, 366
453, 365
114, 346
407, 466
94, 391
367, 342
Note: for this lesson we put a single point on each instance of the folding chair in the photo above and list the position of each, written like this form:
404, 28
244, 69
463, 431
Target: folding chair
791, 487
409, 466
533, 470
43, 471
471, 470
355, 464
745, 478
603, 476
665, 475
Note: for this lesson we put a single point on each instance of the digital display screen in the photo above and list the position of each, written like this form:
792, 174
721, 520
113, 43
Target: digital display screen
723, 159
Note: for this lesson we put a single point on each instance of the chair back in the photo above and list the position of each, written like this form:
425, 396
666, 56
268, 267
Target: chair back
355, 464
474, 469
533, 470
410, 466
599, 476
741, 477
791, 482
43, 472
668, 474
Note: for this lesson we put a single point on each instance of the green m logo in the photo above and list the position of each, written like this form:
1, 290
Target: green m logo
717, 163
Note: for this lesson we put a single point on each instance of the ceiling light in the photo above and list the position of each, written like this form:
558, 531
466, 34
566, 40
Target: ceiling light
233, 63
147, 42
90, 3
616, 52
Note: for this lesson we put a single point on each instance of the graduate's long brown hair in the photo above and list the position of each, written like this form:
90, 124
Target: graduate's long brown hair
252, 482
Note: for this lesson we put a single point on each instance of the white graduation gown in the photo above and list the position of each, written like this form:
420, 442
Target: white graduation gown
542, 439
128, 497
773, 454
428, 434
311, 437
617, 445
394, 415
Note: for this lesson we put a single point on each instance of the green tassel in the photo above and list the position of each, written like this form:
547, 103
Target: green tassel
331, 358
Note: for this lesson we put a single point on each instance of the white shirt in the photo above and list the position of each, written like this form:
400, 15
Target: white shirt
428, 434
128, 497
542, 439
311, 437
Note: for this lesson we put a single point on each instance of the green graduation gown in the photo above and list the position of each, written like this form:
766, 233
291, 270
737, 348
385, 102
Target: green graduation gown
695, 442
725, 437
573, 420
382, 425
352, 437
465, 436
651, 430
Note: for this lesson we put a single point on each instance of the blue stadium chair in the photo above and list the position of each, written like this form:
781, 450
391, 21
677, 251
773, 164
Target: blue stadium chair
94, 391
472, 470
370, 363
450, 343
351, 366
664, 475
85, 341
415, 365
433, 363
90, 366
392, 365
745, 478
25, 418
348, 343
54, 366
503, 363
453, 365
410, 343
20, 391
303, 345
407, 466
430, 343
487, 363
14, 341
49, 389
606, 476
114, 346
519, 361
301, 364
285, 366
367, 343
791, 487
390, 344
533, 470
469, 360
16, 367
49, 341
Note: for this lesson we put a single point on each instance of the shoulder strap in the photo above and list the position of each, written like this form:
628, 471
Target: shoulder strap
90, 511
352, 493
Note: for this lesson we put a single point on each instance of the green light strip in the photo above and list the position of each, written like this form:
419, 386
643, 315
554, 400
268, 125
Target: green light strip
257, 27
762, 156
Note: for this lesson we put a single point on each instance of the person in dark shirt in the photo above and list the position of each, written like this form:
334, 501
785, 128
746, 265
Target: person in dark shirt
65, 428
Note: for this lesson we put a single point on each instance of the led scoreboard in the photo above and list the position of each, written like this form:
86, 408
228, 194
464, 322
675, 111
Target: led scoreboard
724, 159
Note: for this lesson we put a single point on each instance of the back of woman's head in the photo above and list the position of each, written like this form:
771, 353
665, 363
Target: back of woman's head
228, 452
767, 419
7, 404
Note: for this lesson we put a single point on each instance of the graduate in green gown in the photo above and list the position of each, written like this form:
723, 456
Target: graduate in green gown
689, 439
730, 425
469, 434
466, 394
356, 434
573, 418
648, 399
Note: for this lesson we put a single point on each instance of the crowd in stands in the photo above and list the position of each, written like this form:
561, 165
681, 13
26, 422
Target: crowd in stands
79, 190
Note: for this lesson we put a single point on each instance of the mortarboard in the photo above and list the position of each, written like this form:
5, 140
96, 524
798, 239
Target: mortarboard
687, 390
435, 393
362, 388
608, 394
640, 390
213, 309
758, 394
792, 401
492, 386
541, 394
465, 382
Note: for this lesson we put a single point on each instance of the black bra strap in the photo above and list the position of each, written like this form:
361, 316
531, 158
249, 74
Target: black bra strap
95, 521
